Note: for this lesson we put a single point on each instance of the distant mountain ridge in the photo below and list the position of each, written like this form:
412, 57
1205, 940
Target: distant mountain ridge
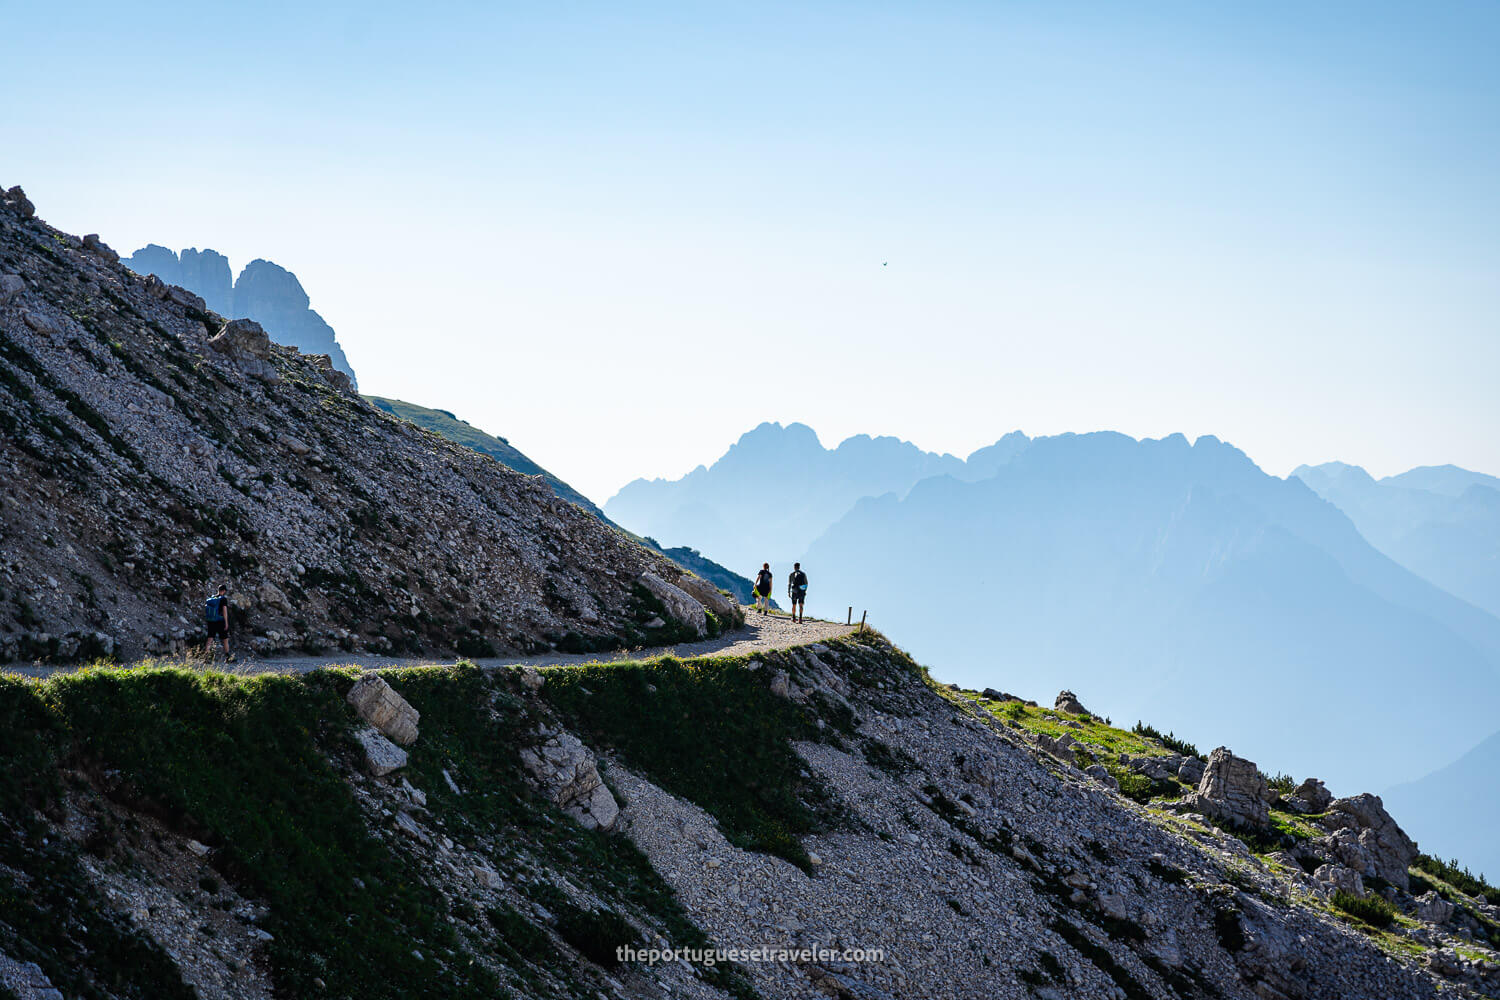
1132, 568
777, 487
265, 292
1441, 522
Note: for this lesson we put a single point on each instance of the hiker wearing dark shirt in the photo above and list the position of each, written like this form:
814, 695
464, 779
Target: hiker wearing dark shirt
796, 589
763, 581
216, 617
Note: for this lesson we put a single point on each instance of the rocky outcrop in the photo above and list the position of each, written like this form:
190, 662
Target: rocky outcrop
246, 345
707, 595
1367, 839
264, 292
566, 773
1233, 790
15, 200
1068, 702
1331, 878
679, 603
1434, 909
1190, 771
378, 704
381, 756
1310, 797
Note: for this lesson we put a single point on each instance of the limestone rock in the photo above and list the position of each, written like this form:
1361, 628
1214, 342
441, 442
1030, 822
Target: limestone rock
1099, 774
1068, 702
294, 444
532, 679
16, 201
708, 595
1310, 797
339, 380
1160, 768
781, 684
566, 772
269, 595
93, 244
1191, 771
1434, 909
379, 705
679, 603
245, 343
1231, 789
11, 285
1367, 839
1330, 878
185, 298
381, 755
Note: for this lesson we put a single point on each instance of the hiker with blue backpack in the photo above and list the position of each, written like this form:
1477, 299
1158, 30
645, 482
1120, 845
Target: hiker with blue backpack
216, 617
796, 589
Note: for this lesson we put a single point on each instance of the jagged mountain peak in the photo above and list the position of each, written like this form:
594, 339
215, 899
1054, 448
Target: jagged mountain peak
264, 291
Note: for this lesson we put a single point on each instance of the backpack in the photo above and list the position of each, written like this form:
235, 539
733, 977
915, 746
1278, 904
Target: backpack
763, 580
213, 609
799, 582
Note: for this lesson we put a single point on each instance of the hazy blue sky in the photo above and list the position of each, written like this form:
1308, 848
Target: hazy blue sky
621, 237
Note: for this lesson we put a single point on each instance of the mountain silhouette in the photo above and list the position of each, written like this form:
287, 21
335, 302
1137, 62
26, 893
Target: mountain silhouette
1174, 581
777, 488
1453, 812
1440, 522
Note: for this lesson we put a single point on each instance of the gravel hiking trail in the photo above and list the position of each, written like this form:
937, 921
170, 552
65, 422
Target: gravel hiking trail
760, 633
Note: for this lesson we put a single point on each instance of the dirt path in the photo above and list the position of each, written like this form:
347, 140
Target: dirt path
759, 634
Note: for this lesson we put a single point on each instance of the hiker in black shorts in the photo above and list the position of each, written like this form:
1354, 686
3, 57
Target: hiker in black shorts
763, 589
216, 617
796, 589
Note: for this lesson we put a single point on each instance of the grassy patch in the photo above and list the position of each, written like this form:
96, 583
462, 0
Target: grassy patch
200, 747
710, 731
1170, 740
1461, 879
1089, 729
1371, 910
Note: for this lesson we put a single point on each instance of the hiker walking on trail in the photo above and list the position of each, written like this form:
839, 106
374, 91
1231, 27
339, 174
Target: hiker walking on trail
763, 581
796, 589
216, 615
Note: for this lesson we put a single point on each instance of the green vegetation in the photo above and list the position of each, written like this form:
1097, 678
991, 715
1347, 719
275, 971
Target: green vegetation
1461, 879
350, 914
1104, 739
711, 731
1371, 909
1170, 740
1085, 729
200, 746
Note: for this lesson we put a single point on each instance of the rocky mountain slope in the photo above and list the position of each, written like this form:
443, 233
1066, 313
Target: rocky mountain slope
151, 449
450, 832
462, 432
265, 292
